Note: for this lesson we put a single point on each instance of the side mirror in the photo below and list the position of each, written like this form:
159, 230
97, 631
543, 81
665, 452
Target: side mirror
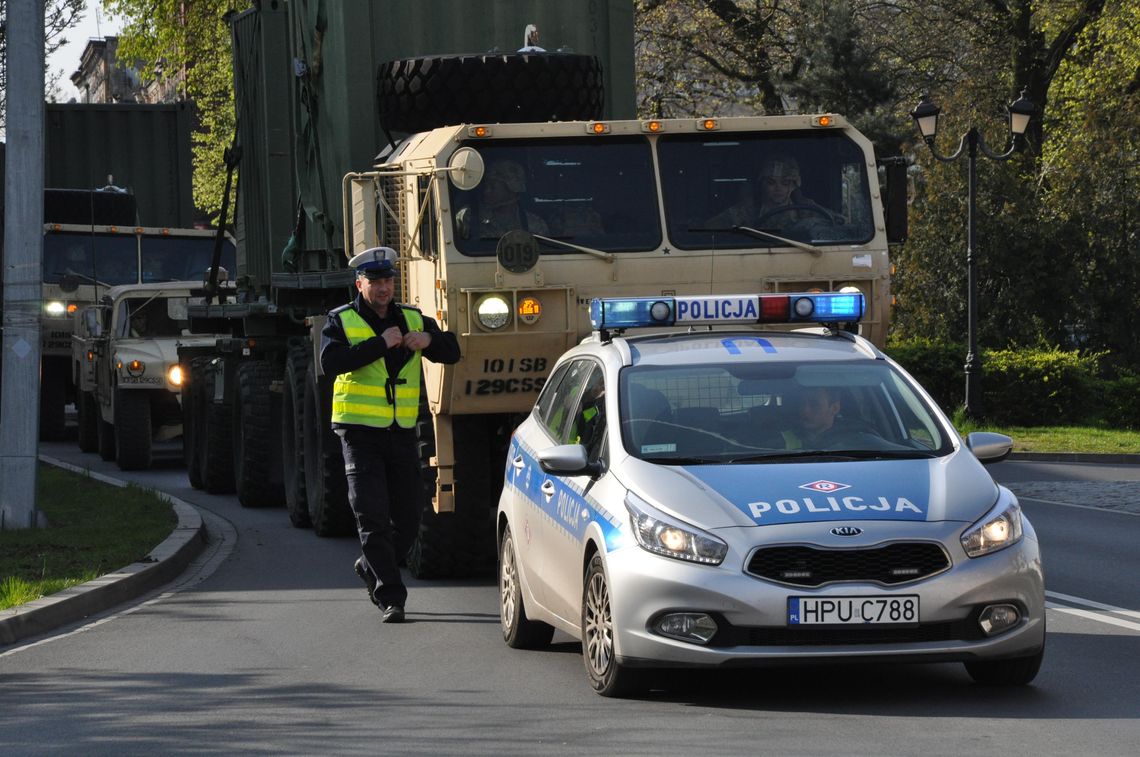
895, 206
465, 168
989, 447
567, 460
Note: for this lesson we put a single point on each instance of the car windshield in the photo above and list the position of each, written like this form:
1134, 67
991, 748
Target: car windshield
775, 412
174, 258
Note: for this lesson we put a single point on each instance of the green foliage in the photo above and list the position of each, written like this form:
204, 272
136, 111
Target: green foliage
107, 528
1121, 401
936, 365
1040, 386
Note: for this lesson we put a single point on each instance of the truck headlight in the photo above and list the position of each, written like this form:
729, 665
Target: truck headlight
174, 375
998, 529
656, 532
55, 308
493, 312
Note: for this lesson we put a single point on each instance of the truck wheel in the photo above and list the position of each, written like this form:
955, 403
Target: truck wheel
192, 408
519, 631
88, 412
216, 438
132, 429
293, 435
106, 439
460, 543
418, 94
257, 462
53, 399
325, 485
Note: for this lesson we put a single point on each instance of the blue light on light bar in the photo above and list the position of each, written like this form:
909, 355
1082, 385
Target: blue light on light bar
707, 310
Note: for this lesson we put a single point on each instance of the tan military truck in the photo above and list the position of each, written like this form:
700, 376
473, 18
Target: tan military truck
127, 375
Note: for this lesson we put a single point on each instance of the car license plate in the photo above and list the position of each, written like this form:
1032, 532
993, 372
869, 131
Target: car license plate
842, 611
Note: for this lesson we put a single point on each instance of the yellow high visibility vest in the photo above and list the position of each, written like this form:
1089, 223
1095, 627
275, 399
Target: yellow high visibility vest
361, 397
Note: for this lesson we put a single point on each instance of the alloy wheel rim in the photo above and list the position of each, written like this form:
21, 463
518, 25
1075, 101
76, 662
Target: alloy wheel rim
507, 580
599, 625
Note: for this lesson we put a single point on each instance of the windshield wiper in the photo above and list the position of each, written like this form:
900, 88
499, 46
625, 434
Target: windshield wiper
606, 256
836, 454
684, 461
767, 235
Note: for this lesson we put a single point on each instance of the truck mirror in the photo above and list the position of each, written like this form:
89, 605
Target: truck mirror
465, 168
896, 205
68, 283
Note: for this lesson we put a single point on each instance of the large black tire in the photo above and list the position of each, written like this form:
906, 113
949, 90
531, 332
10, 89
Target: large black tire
193, 405
53, 398
133, 432
257, 451
519, 631
460, 544
293, 436
106, 439
418, 94
216, 439
605, 674
88, 412
325, 484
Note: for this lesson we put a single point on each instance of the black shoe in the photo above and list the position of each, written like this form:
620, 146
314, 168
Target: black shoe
368, 579
393, 614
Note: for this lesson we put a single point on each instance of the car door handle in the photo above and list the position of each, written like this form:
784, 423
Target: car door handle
548, 488
518, 462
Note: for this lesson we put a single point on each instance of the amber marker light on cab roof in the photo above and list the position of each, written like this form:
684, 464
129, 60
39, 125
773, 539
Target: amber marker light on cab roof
479, 131
597, 127
823, 121
653, 127
707, 124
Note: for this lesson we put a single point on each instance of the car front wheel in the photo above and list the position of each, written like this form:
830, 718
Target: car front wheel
519, 631
1017, 671
606, 675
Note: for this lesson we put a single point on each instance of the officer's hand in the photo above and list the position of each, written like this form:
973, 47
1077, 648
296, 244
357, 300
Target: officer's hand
392, 337
416, 340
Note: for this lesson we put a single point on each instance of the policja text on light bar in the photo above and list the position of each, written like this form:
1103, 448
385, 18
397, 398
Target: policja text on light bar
635, 312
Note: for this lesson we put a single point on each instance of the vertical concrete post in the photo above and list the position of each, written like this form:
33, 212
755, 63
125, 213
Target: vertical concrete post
23, 262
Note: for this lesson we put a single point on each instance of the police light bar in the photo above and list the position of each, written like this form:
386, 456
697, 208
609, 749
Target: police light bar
707, 310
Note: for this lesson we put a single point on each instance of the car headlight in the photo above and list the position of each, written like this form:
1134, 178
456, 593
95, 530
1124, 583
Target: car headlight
493, 312
662, 535
998, 529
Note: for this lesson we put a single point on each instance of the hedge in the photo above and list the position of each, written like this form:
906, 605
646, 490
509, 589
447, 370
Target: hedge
1026, 387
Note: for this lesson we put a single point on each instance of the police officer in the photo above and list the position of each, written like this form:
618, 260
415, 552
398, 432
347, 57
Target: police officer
374, 346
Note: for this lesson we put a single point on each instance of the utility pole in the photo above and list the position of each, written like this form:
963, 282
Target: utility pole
23, 262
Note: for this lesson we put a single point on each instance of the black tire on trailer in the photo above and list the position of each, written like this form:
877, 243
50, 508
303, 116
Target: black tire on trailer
88, 412
53, 398
216, 439
257, 452
133, 432
192, 409
325, 485
418, 94
293, 435
460, 543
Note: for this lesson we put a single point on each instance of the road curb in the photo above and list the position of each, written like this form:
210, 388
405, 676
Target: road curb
163, 564
1077, 457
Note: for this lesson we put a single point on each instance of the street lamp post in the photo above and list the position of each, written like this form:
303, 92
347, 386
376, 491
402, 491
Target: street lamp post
925, 116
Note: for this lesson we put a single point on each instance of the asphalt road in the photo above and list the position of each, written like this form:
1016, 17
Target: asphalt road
267, 644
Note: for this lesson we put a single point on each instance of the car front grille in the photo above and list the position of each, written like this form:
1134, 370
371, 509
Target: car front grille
802, 636
811, 566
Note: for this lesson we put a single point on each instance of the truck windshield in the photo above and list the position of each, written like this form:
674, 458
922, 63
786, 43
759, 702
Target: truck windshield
107, 258
811, 187
173, 258
598, 192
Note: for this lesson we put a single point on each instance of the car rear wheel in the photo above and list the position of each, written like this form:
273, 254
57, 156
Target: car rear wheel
519, 631
1017, 671
606, 675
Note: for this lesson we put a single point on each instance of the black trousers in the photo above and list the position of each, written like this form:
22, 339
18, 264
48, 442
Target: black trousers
386, 492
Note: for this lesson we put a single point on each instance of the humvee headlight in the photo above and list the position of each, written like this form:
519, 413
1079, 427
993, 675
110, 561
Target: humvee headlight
174, 375
55, 308
493, 312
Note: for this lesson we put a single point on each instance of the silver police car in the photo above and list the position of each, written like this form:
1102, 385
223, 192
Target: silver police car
716, 494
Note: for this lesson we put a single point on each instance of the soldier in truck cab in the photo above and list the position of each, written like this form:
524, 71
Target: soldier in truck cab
775, 202
500, 210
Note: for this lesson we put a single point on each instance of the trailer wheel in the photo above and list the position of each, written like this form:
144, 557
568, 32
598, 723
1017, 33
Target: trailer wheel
418, 94
325, 485
192, 408
460, 543
293, 435
132, 429
88, 412
53, 399
257, 461
216, 436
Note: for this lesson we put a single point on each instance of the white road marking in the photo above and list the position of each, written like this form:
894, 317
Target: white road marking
1109, 615
1070, 504
1090, 603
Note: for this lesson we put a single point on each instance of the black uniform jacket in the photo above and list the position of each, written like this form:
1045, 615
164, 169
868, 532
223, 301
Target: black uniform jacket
338, 356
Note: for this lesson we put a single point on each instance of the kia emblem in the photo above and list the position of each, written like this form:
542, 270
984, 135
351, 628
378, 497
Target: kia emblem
846, 531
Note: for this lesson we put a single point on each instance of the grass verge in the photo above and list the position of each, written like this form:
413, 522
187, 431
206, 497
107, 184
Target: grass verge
1085, 439
93, 528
